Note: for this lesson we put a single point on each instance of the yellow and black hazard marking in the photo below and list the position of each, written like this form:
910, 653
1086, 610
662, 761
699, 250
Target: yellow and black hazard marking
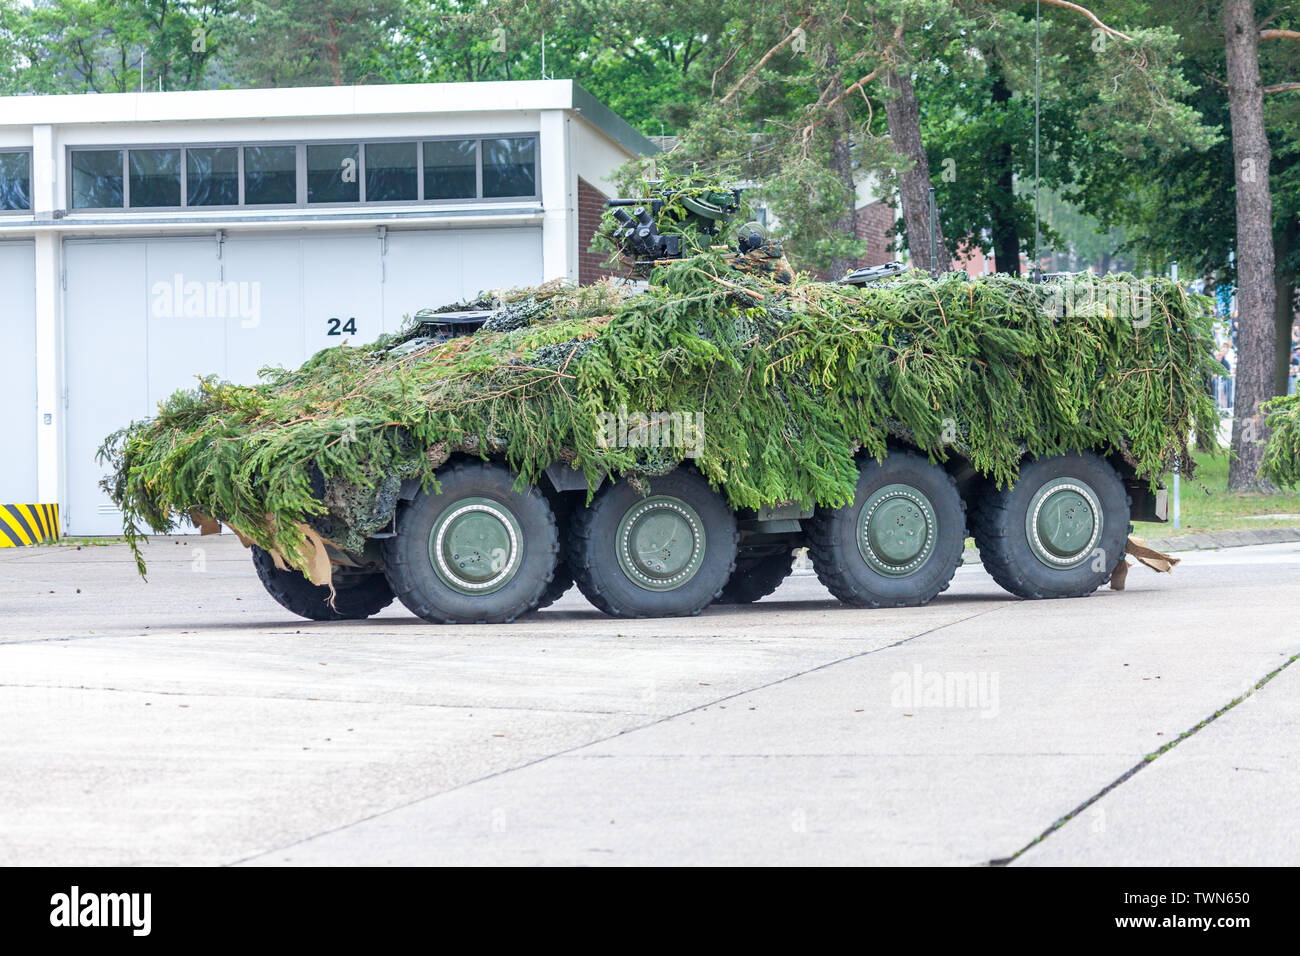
28, 524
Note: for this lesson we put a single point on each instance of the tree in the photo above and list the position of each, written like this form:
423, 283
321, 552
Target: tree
1256, 294
99, 46
1282, 128
914, 181
1247, 236
1110, 99
798, 117
1177, 208
302, 43
650, 63
1126, 97
806, 100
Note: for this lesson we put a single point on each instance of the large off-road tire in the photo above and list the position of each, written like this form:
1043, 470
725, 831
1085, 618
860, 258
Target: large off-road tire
1059, 531
477, 552
899, 542
667, 554
356, 595
563, 578
756, 577
559, 586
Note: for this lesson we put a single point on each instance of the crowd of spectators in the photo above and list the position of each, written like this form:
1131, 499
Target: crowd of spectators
1225, 336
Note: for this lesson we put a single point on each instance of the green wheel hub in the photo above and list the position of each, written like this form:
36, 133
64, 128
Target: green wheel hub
660, 543
476, 545
1064, 522
897, 530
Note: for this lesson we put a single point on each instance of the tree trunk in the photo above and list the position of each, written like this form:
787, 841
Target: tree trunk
841, 162
904, 120
1284, 308
333, 55
1006, 238
1255, 291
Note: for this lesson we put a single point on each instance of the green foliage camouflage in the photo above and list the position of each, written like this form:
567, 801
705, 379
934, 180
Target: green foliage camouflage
1281, 463
791, 381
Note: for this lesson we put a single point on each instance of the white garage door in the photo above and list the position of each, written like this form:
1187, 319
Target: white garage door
18, 377
469, 262
144, 317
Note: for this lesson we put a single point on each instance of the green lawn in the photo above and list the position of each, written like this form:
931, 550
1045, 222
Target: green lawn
1207, 505
85, 542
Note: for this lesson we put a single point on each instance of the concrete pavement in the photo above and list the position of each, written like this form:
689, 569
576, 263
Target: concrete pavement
191, 720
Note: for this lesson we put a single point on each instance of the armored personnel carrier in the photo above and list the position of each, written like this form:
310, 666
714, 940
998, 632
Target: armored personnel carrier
669, 441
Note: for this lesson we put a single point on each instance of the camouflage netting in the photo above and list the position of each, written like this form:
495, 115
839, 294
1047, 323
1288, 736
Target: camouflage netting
790, 380
1282, 457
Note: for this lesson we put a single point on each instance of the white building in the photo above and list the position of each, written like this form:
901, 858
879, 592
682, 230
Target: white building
149, 238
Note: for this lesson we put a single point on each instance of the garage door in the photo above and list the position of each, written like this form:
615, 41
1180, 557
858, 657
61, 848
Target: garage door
144, 317
427, 269
18, 377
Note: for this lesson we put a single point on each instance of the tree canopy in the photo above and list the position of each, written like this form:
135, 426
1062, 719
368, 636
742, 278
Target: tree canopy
1140, 110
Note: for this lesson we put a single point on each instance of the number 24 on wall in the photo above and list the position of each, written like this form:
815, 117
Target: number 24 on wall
338, 326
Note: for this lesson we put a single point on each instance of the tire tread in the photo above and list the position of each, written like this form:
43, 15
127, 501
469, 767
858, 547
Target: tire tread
292, 591
403, 575
747, 585
831, 571
990, 526
579, 544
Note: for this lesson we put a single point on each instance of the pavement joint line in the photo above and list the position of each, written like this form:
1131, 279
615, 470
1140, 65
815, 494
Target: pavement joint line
1144, 762
70, 637
328, 700
568, 751
852, 753
400, 625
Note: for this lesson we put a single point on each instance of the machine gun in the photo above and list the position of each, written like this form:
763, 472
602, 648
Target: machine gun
637, 232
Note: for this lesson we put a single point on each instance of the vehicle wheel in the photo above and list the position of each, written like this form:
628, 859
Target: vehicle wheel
563, 579
477, 552
1059, 531
663, 555
357, 595
899, 542
560, 583
756, 577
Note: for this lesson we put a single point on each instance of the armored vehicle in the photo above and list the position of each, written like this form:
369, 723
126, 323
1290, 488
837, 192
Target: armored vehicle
670, 441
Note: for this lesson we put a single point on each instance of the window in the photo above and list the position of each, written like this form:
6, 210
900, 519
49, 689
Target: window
391, 172
212, 176
155, 178
509, 167
15, 181
334, 173
451, 169
270, 175
96, 178
286, 174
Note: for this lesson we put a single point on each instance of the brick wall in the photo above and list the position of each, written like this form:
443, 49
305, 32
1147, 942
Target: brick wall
876, 226
973, 261
591, 204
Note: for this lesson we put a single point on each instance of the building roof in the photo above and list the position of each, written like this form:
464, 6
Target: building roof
322, 102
